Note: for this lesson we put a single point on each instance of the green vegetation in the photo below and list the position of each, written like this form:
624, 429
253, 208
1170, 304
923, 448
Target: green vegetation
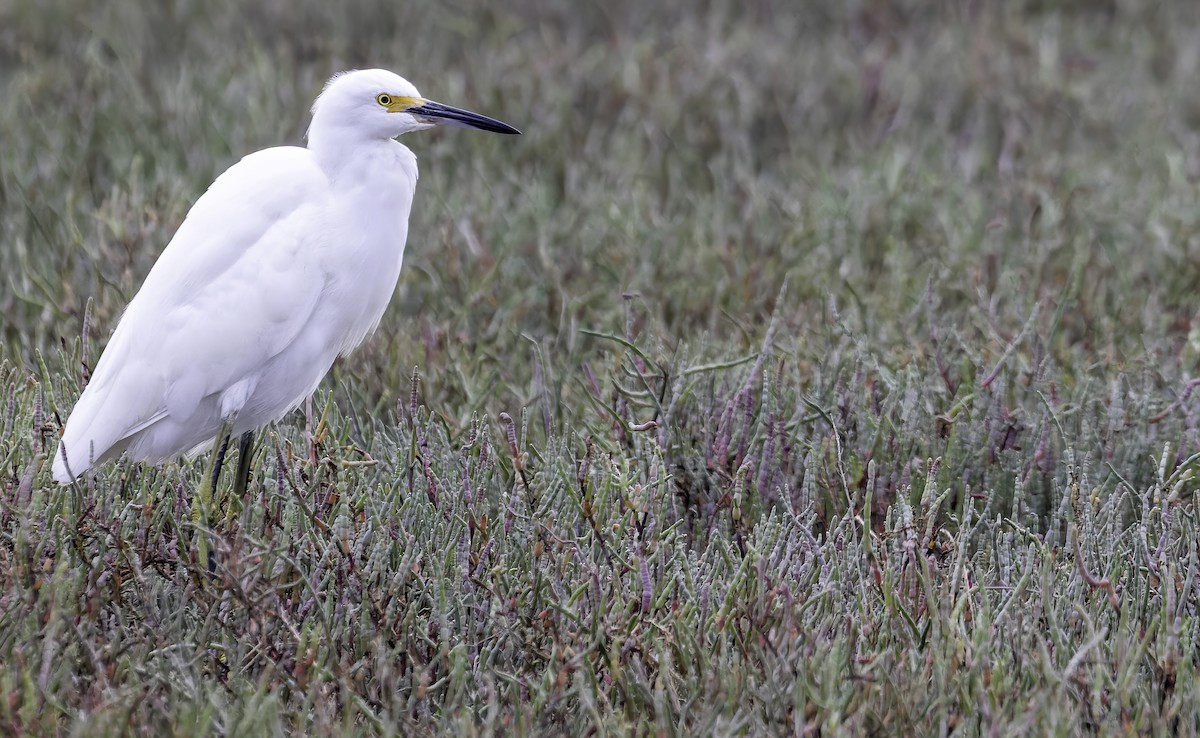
816, 368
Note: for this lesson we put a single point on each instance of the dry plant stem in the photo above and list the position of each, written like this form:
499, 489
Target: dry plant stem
1183, 397
1113, 600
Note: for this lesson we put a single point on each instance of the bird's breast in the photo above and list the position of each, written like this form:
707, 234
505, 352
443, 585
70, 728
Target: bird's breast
369, 223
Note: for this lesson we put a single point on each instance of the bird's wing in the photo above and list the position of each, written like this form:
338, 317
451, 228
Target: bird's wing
233, 288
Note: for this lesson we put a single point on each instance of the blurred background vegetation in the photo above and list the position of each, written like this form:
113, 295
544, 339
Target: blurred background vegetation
909, 291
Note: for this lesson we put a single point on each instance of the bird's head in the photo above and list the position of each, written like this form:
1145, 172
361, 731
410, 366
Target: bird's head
375, 103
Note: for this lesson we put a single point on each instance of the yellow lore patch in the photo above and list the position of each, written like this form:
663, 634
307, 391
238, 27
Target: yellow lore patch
398, 103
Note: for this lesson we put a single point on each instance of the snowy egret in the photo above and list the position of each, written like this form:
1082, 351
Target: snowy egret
285, 263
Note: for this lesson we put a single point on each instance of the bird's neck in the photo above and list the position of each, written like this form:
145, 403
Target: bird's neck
341, 151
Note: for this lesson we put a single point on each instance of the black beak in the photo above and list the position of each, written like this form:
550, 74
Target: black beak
439, 114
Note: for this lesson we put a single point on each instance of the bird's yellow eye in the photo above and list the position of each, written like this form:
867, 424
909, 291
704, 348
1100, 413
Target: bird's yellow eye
383, 99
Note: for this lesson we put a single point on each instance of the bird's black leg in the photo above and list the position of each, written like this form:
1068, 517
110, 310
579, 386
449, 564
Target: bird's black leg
242, 480
216, 475
202, 505
220, 459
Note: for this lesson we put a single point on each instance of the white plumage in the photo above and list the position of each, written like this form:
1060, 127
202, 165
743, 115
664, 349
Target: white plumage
287, 261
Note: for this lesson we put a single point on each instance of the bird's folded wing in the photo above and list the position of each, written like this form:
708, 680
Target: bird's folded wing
233, 288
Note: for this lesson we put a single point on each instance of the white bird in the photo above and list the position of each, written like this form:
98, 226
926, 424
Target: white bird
285, 263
